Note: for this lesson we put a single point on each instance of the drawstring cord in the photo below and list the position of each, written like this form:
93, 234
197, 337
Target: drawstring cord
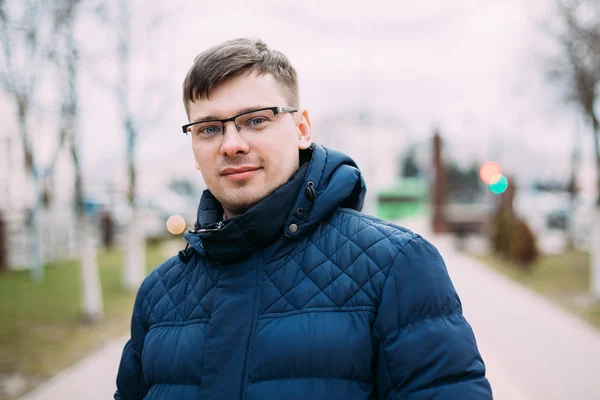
185, 254
311, 194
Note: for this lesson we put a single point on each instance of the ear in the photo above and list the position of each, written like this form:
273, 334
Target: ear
304, 130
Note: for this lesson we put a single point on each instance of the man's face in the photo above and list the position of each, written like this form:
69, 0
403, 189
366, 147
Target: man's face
241, 169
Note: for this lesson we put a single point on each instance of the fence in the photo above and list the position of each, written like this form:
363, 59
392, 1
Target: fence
58, 233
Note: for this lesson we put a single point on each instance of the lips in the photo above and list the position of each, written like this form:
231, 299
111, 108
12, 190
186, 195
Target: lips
237, 170
239, 173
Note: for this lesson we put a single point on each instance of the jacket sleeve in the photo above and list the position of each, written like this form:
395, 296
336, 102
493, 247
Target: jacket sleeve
425, 349
131, 384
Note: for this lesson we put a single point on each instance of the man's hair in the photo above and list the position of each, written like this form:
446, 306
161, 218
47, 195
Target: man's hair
233, 58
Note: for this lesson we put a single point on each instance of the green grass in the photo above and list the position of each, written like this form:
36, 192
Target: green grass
41, 329
563, 278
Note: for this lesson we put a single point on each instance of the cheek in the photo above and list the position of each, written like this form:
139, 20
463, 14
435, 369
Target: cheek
203, 162
282, 156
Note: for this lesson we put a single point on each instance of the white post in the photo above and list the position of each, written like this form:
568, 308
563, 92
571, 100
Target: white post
595, 254
90, 277
35, 236
135, 252
7, 176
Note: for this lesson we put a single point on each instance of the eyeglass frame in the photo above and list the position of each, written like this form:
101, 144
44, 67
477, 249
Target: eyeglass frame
276, 111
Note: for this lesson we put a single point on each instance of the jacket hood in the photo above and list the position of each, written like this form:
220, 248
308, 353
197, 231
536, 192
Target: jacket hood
326, 181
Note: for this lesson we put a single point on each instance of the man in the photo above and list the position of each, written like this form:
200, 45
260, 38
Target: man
285, 290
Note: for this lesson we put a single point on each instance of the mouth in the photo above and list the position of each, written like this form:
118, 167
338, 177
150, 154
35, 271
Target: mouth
239, 173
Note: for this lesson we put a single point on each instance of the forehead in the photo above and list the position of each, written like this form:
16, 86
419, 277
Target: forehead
241, 92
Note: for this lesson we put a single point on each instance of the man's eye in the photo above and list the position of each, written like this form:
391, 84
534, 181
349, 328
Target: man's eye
209, 130
256, 121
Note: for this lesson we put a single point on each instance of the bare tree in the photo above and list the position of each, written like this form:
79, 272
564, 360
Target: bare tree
22, 35
135, 246
134, 118
578, 70
66, 15
33, 33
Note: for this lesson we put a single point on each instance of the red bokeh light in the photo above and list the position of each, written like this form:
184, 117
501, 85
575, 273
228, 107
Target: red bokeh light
490, 172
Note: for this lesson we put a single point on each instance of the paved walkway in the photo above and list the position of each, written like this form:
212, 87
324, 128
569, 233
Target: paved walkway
93, 378
533, 350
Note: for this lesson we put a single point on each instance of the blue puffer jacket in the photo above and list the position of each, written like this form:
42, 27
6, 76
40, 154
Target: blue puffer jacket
301, 297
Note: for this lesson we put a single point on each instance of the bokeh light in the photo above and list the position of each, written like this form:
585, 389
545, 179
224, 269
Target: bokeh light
500, 186
490, 172
495, 179
175, 224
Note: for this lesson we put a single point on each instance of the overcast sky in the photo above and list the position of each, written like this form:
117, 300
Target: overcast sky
474, 69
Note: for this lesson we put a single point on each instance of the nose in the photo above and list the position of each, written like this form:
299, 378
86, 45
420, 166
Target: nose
233, 142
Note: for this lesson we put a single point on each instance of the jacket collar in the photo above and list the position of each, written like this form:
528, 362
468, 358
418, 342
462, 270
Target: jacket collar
235, 238
326, 181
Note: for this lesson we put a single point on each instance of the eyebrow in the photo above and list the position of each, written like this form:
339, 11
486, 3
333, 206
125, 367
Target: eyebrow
238, 112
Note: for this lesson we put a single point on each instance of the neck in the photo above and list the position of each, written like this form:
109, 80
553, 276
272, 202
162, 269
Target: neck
228, 213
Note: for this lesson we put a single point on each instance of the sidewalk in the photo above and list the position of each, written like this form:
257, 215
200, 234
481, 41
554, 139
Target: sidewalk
533, 350
93, 378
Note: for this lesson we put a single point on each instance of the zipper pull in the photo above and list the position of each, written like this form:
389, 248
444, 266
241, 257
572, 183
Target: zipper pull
217, 228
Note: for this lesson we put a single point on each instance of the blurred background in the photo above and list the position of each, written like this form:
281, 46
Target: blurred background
474, 122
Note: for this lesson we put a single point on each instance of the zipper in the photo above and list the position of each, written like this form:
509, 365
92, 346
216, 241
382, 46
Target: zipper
252, 333
219, 225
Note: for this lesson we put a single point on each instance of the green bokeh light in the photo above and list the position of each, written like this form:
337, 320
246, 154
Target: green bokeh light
500, 186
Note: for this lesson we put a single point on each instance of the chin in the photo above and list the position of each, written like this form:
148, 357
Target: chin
244, 199
244, 194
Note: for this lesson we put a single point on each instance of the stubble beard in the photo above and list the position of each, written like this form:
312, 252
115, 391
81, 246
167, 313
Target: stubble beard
245, 195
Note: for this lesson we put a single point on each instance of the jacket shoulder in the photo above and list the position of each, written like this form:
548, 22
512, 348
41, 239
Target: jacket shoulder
391, 246
356, 243
168, 292
156, 277
370, 231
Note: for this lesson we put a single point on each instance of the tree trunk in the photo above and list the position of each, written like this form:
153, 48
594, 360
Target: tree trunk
35, 244
36, 260
135, 243
595, 254
3, 245
91, 292
135, 252
575, 166
595, 240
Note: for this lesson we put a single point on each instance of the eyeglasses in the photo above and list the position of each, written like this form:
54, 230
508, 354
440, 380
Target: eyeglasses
248, 122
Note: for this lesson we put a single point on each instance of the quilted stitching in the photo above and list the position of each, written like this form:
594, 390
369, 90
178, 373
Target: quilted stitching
342, 264
338, 259
324, 230
182, 303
